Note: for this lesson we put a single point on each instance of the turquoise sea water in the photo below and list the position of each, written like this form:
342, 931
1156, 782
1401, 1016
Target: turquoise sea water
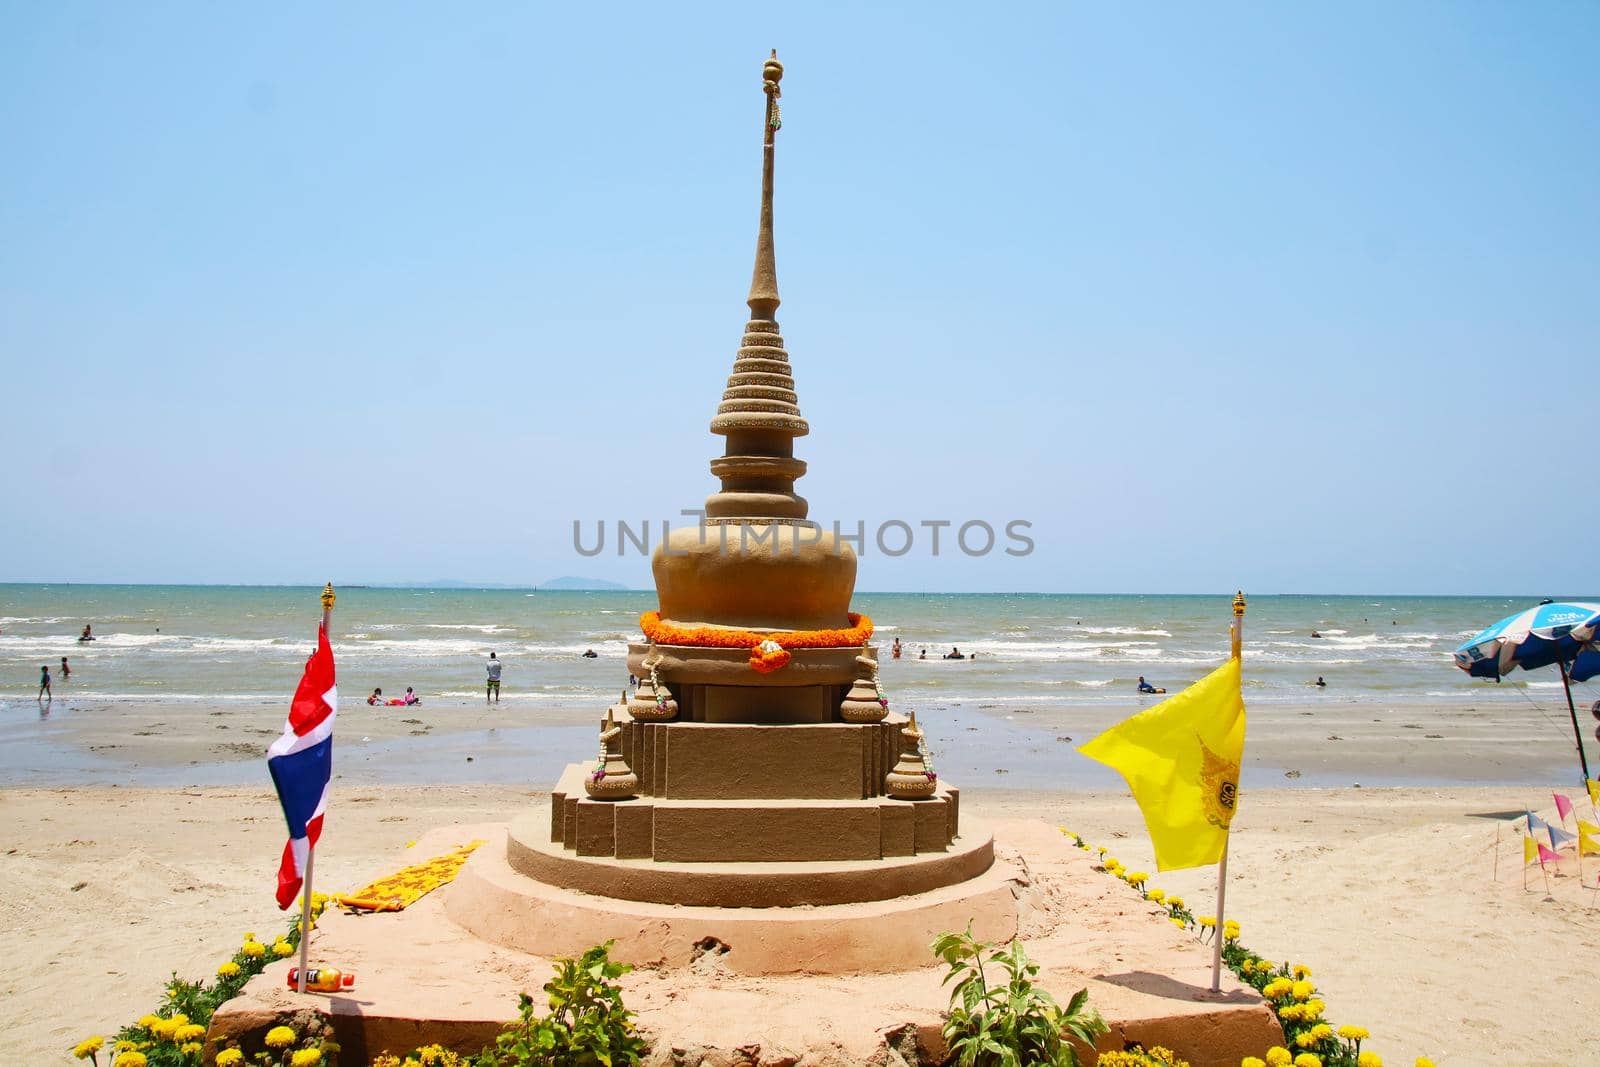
221, 644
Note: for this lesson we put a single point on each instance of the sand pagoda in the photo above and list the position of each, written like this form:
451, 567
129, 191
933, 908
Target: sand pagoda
754, 815
757, 765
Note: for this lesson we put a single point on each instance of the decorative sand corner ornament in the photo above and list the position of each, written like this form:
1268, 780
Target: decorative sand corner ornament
651, 701
864, 702
911, 779
612, 778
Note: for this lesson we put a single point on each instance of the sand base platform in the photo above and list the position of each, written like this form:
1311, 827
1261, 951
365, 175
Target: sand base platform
814, 986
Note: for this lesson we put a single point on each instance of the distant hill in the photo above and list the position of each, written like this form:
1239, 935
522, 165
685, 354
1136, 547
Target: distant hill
571, 584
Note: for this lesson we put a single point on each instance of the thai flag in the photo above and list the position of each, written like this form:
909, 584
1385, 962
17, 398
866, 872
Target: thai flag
301, 762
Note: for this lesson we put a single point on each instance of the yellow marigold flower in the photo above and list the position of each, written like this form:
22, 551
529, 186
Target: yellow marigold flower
1157, 895
1290, 1012
1276, 988
230, 1057
282, 948
1175, 902
1302, 971
1208, 921
1139, 876
228, 969
180, 1019
1252, 1061
127, 1046
1302, 990
280, 1037
1313, 1009
1305, 1039
306, 1057
188, 1032
1179, 923
147, 1021
1278, 1056
386, 1059
1369, 1059
1354, 1033
1101, 850
164, 1028
1322, 1031
1423, 1061
1307, 1059
1246, 966
254, 949
131, 1059
89, 1046
190, 1048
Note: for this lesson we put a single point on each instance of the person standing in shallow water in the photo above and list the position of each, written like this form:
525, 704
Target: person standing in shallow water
44, 683
492, 688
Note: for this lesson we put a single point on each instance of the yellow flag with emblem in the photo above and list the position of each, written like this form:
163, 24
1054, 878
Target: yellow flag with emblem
1181, 759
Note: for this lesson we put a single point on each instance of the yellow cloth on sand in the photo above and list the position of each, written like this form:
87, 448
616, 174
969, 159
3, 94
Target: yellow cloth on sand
405, 887
1181, 759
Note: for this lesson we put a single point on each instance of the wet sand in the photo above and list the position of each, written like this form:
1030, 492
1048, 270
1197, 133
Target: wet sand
1324, 742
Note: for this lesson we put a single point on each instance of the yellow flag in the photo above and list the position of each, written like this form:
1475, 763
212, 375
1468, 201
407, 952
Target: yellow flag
1594, 791
1530, 851
1590, 827
1587, 845
1181, 759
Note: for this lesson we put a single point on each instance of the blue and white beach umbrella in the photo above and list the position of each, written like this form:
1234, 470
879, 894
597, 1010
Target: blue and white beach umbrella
1538, 637
1563, 634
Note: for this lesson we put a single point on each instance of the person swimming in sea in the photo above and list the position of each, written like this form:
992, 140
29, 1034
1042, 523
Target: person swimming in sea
1146, 687
1315, 634
87, 635
894, 652
924, 654
66, 671
955, 653
590, 653
1319, 683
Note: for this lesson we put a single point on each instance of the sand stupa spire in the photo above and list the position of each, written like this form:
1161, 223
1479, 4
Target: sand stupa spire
760, 412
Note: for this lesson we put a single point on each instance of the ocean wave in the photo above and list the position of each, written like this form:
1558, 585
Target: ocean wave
482, 628
1126, 631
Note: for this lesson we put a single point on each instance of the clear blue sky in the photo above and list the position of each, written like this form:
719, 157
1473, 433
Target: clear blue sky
1284, 296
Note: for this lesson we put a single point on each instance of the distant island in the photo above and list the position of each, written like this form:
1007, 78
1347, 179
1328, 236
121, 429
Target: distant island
572, 584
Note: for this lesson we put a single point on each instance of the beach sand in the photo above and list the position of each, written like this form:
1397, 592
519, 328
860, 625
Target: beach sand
162, 851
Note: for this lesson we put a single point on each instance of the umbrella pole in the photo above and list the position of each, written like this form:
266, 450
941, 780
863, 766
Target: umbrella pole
1573, 711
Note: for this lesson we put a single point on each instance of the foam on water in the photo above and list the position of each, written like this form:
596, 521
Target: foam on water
242, 644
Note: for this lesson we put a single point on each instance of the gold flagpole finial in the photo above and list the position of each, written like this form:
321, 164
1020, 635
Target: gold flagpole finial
1238, 603
328, 597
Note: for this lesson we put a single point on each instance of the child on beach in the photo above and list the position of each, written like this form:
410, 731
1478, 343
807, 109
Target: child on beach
411, 698
44, 682
66, 671
376, 698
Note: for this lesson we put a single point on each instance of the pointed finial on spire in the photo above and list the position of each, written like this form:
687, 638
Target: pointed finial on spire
763, 299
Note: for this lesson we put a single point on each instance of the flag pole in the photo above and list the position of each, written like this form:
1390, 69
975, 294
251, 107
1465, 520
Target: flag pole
1222, 866
328, 598
1497, 828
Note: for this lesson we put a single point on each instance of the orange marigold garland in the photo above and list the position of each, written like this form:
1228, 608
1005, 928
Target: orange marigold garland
662, 633
769, 656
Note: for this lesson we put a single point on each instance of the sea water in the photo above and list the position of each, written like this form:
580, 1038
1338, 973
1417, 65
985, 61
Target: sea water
221, 644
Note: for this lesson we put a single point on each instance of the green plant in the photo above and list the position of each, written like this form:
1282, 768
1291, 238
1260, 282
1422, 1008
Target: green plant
1014, 1024
587, 1024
